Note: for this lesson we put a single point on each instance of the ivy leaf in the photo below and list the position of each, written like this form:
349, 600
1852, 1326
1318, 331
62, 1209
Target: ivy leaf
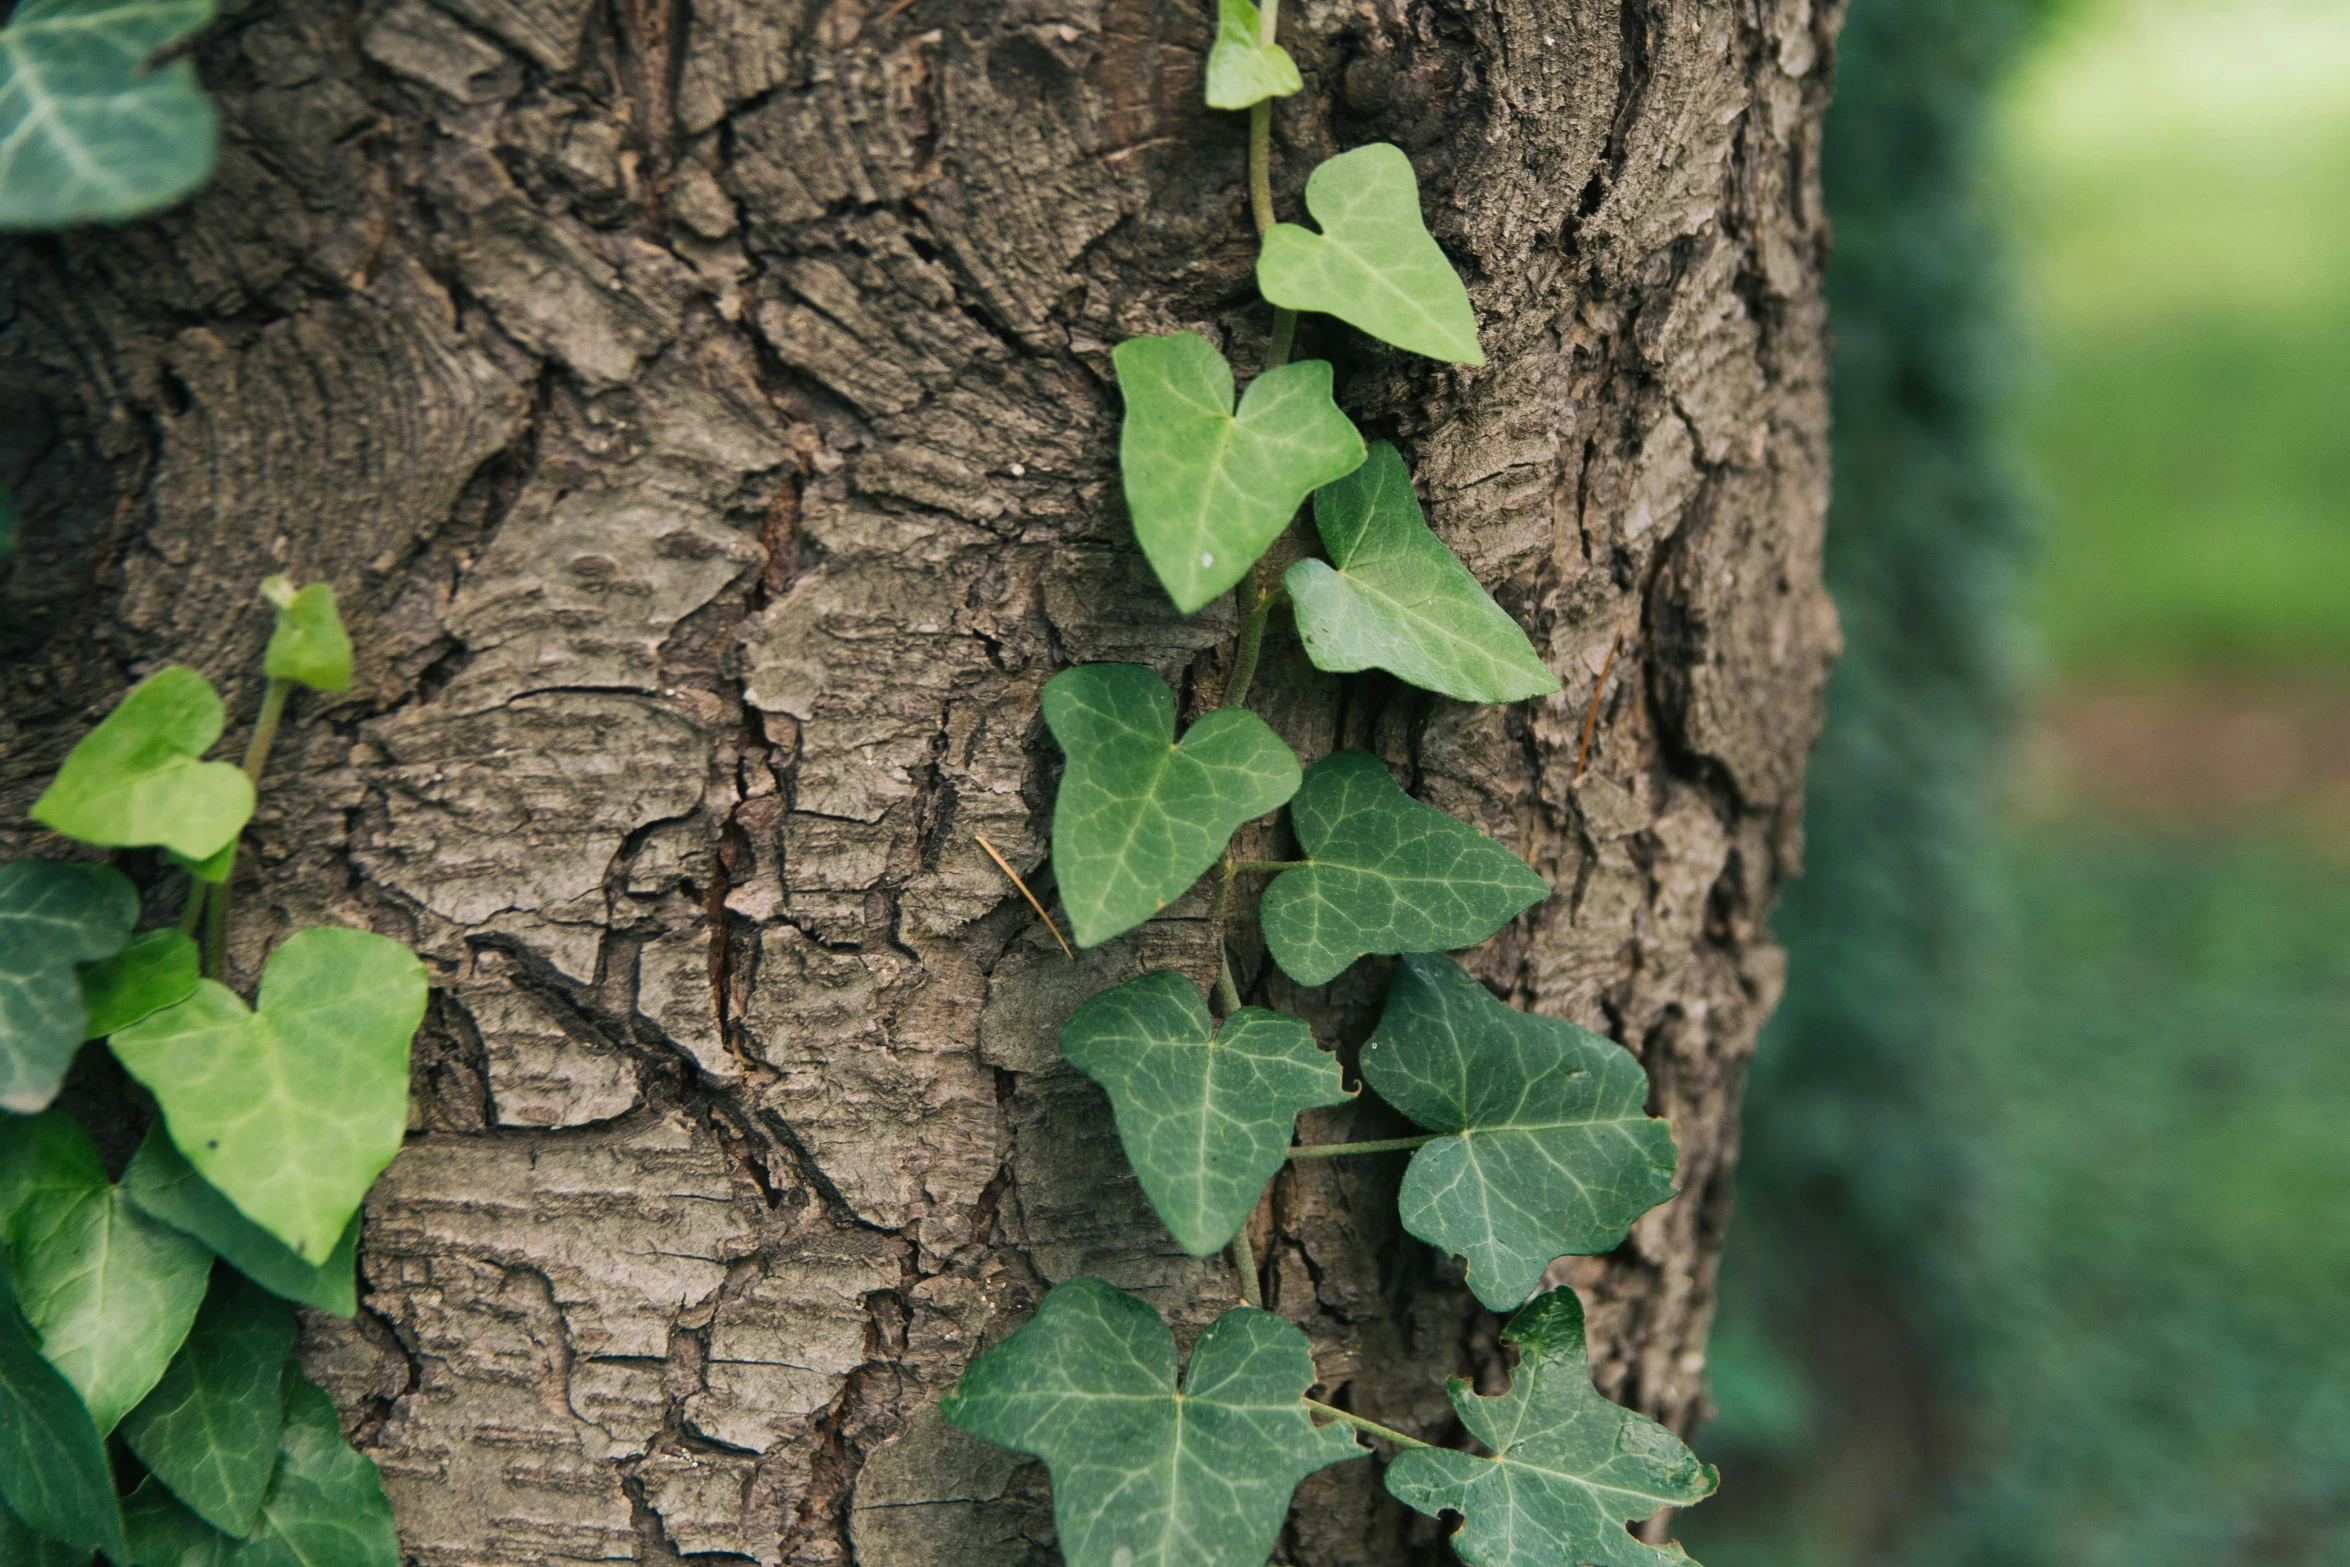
20, 1547
1243, 70
51, 918
158, 968
1384, 873
1374, 265
1206, 1116
1550, 1153
1393, 597
1569, 1469
86, 129
53, 1473
110, 1292
1209, 488
309, 644
1139, 818
210, 1429
166, 1188
140, 778
293, 1109
1144, 1476
7, 541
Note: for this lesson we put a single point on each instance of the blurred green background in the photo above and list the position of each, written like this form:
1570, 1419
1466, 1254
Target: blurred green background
2043, 1247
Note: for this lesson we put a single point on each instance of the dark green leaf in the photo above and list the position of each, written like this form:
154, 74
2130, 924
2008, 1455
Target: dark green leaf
1551, 1154
1139, 817
1384, 873
51, 918
53, 1473
162, 1183
139, 777
294, 1108
20, 1547
1374, 265
1393, 597
1242, 68
1144, 1476
7, 523
163, 1533
158, 968
309, 644
1206, 1115
1209, 489
210, 1429
87, 130
1569, 1469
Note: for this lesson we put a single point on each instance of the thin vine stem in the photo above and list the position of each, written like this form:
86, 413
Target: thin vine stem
1368, 1427
1384, 1145
1244, 867
216, 907
1252, 643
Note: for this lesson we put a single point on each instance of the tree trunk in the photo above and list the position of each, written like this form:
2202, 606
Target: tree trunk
704, 415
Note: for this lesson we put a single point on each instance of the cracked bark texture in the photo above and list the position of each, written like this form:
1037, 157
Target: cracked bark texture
703, 410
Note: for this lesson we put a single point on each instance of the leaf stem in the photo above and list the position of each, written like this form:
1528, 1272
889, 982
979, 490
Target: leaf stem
1284, 334
273, 711
216, 932
1260, 165
216, 907
1384, 1145
1371, 1427
1227, 993
1243, 867
1244, 1263
1252, 643
192, 911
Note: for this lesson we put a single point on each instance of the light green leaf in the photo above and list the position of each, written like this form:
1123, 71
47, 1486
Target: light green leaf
1206, 1115
1550, 1153
163, 1184
52, 917
20, 1547
1209, 489
1144, 1476
213, 869
139, 778
158, 968
293, 1109
53, 1473
1384, 873
1569, 1469
1242, 68
109, 1291
210, 1429
1374, 265
87, 131
1139, 817
1393, 597
309, 644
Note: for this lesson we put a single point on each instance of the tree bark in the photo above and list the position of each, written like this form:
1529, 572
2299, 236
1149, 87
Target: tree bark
704, 415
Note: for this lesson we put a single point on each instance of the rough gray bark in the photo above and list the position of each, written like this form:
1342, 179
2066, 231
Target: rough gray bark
704, 414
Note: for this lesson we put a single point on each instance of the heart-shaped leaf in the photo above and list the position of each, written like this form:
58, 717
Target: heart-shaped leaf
1144, 1476
87, 130
1384, 873
53, 1472
140, 778
209, 1431
1550, 1153
1569, 1469
1139, 817
52, 917
309, 644
1393, 597
1374, 265
158, 968
110, 1292
1205, 1114
294, 1108
1243, 69
1209, 488
166, 1187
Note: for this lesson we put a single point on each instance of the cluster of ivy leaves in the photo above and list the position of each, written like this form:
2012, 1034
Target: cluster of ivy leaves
1537, 1145
146, 1323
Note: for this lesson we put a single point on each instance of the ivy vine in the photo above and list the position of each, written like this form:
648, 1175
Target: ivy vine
1535, 1143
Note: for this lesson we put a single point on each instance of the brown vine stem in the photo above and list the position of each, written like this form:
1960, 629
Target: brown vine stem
1005, 866
1368, 1427
1591, 714
1384, 1145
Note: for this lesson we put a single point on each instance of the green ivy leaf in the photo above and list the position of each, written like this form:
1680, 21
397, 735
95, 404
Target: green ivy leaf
87, 131
1243, 70
309, 644
1550, 1153
7, 536
1209, 489
1206, 1116
293, 1109
210, 1429
1139, 818
1384, 873
1374, 265
1144, 1476
20, 1547
52, 917
1393, 597
53, 1473
1569, 1469
110, 1292
158, 968
167, 1188
140, 778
